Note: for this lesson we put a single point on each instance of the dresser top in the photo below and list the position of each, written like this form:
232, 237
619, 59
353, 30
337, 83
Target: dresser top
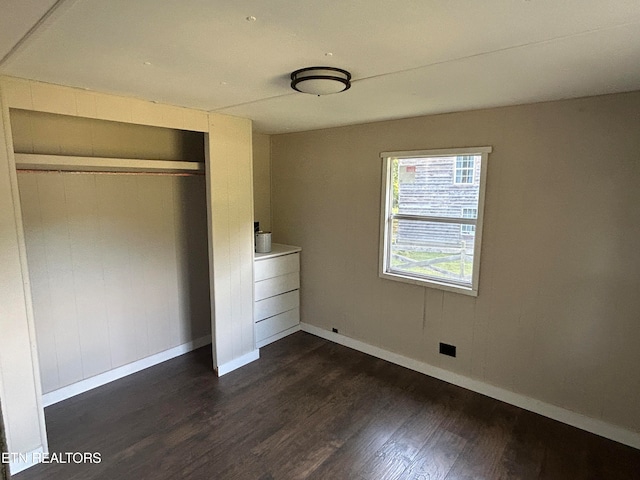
277, 249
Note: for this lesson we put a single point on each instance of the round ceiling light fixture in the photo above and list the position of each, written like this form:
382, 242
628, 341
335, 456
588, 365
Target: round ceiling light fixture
320, 80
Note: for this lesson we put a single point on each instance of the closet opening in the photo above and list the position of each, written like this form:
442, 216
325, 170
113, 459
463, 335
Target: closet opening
115, 224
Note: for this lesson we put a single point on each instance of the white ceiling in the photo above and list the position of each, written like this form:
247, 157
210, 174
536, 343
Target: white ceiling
407, 57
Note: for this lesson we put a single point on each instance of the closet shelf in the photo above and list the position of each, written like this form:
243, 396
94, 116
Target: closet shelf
32, 161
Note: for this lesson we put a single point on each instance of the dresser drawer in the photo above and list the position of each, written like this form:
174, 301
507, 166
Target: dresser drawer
274, 267
276, 324
277, 285
274, 305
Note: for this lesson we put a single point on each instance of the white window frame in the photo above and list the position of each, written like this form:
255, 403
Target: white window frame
387, 216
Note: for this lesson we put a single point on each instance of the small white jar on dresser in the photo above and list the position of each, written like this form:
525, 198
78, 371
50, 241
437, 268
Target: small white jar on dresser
276, 278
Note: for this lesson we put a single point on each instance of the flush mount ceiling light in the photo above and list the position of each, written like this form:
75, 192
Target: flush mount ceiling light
320, 80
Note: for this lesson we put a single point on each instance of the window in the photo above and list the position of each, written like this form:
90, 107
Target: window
431, 229
468, 213
465, 165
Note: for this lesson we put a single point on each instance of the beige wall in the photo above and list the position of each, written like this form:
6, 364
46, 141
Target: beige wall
557, 315
118, 268
262, 180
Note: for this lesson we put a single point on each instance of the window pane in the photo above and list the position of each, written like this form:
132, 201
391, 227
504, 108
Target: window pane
436, 250
434, 186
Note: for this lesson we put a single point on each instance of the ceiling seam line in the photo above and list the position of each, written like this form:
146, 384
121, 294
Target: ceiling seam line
499, 50
475, 55
41, 22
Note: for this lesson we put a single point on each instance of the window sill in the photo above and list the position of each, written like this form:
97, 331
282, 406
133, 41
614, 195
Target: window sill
430, 284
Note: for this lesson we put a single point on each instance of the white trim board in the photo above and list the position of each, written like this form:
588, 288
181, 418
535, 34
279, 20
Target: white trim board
120, 372
25, 460
238, 362
563, 415
36, 161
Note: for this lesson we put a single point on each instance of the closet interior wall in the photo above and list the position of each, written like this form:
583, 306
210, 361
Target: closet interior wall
118, 262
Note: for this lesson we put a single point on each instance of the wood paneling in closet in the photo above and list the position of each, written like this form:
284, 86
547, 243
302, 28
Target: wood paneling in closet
118, 266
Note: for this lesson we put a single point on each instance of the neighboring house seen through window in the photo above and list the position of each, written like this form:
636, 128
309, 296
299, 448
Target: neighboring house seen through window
464, 169
431, 219
468, 213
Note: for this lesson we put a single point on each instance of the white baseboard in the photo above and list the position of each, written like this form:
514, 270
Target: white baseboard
25, 460
278, 336
563, 415
120, 372
238, 362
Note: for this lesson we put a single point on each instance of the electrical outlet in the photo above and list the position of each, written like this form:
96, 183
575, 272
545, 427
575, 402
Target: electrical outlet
446, 349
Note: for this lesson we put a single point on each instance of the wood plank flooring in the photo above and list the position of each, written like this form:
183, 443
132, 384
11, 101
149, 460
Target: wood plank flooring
313, 409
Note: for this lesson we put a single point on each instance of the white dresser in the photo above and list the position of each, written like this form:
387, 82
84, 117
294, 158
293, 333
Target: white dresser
276, 278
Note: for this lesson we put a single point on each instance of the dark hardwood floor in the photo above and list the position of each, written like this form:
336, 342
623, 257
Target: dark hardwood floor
313, 409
